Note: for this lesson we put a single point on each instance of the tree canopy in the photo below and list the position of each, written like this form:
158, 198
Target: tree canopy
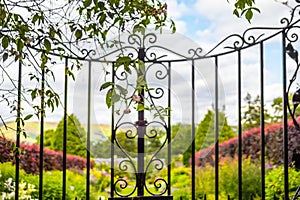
76, 137
205, 134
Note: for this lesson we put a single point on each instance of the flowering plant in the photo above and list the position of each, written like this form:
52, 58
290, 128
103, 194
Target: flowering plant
25, 190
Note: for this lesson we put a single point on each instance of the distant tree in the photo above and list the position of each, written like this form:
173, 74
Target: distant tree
205, 134
76, 137
277, 110
48, 134
251, 114
101, 149
181, 140
277, 106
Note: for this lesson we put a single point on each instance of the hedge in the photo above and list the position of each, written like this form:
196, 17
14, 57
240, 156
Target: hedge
251, 145
30, 157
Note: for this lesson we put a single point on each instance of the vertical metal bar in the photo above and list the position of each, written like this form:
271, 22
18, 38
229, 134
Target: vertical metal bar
240, 174
285, 118
112, 147
216, 130
42, 135
18, 131
193, 131
169, 129
141, 135
65, 132
262, 121
88, 145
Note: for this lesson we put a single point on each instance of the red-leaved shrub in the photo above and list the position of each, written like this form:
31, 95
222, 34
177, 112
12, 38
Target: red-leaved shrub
251, 145
30, 158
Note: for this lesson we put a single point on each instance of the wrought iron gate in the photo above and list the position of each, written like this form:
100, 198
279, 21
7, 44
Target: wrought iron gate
142, 130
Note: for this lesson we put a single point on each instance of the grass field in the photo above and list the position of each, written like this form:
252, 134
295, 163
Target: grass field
32, 130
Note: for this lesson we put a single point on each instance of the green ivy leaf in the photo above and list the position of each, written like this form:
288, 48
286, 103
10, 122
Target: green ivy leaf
20, 45
5, 42
47, 45
78, 34
102, 18
28, 117
249, 15
115, 97
122, 89
125, 60
87, 3
236, 12
108, 97
105, 85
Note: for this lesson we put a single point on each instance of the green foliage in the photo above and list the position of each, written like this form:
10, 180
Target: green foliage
52, 185
275, 183
101, 149
277, 109
251, 180
251, 115
181, 183
48, 134
124, 96
181, 139
246, 8
31, 32
205, 135
76, 137
228, 181
8, 188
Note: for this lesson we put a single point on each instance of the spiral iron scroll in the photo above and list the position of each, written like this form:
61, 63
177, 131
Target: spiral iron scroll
291, 36
293, 54
160, 184
124, 186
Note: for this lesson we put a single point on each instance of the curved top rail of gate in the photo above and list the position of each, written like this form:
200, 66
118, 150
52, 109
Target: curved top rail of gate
232, 43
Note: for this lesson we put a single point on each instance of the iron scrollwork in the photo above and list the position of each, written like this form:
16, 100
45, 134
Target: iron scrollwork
141, 162
293, 54
291, 36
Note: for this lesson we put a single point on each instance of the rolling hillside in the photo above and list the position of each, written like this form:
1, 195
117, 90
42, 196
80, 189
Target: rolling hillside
32, 129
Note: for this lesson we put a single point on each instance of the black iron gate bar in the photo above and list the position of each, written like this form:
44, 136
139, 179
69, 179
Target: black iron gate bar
240, 44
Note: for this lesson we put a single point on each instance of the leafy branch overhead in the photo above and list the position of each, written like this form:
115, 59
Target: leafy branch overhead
32, 31
245, 8
133, 94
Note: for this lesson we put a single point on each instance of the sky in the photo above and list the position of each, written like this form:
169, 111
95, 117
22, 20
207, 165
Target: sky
200, 23
209, 22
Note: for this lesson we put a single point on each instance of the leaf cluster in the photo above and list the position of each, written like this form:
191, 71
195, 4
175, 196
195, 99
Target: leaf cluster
245, 8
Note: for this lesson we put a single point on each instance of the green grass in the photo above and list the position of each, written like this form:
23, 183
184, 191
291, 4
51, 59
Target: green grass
32, 130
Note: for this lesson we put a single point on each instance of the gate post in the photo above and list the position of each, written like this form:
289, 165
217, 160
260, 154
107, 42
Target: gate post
141, 125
